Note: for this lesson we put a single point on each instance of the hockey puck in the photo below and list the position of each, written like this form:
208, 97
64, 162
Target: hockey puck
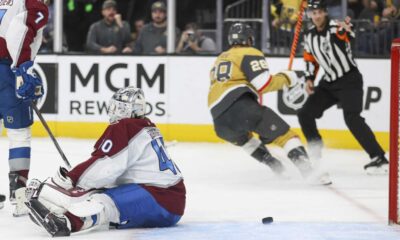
267, 220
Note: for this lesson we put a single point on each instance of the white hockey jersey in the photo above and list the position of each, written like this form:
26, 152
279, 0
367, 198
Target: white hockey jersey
21, 29
132, 151
129, 151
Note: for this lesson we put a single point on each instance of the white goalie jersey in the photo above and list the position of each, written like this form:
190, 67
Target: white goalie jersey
129, 151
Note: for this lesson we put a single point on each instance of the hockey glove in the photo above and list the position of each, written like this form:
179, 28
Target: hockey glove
62, 180
28, 85
295, 77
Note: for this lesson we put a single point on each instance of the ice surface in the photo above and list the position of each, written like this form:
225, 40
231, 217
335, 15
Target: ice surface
228, 193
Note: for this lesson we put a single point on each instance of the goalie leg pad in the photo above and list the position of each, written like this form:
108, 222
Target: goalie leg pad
55, 225
59, 200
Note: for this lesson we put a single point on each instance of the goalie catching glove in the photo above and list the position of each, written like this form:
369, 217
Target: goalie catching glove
28, 85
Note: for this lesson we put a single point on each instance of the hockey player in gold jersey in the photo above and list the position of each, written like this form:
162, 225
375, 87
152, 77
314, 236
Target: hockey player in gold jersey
238, 76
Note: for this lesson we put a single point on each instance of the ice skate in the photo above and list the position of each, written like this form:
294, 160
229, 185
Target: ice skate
2, 200
299, 157
319, 178
20, 206
378, 166
16, 182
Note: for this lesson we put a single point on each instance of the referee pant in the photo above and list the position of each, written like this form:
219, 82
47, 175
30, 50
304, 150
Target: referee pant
347, 92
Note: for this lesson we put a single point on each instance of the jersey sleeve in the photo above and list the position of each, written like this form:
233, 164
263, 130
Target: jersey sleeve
312, 65
341, 33
108, 161
255, 68
23, 36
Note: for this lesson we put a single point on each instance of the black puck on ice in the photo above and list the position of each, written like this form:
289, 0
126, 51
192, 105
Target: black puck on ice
267, 220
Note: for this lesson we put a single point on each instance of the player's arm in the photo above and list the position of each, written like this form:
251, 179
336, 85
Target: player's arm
255, 68
23, 38
24, 34
343, 30
108, 162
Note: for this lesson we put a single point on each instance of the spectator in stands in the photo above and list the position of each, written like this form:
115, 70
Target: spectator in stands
354, 7
285, 14
391, 10
366, 28
153, 37
193, 41
335, 9
48, 33
111, 34
370, 11
138, 25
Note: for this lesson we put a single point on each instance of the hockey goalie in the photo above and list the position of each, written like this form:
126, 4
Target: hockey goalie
129, 181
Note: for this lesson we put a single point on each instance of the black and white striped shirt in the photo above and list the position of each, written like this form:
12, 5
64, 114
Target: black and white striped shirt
330, 49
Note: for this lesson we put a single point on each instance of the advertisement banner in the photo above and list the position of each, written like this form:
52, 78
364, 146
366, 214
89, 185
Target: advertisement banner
78, 89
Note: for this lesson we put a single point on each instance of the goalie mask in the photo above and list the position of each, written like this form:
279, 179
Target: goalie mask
127, 102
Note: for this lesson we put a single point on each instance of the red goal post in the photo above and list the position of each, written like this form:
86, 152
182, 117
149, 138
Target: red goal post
394, 197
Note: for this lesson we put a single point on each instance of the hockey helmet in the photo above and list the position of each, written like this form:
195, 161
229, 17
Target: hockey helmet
127, 102
317, 4
239, 34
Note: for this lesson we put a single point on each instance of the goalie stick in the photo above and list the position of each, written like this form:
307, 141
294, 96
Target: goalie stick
44, 123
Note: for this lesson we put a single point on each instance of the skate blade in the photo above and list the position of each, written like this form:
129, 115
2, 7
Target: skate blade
378, 171
319, 179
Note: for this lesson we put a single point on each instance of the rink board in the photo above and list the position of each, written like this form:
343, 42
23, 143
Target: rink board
176, 88
196, 133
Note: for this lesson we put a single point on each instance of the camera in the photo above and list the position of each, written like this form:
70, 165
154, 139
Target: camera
191, 36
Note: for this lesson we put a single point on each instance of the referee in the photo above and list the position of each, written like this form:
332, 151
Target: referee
327, 45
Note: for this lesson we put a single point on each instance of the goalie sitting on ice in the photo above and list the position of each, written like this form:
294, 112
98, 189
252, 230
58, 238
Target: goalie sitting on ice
128, 182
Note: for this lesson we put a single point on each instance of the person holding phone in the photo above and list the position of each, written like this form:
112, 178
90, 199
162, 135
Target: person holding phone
193, 41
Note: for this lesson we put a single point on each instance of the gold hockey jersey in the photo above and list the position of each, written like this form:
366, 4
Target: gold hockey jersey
238, 71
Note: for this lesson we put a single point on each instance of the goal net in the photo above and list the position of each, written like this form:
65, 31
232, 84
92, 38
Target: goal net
394, 172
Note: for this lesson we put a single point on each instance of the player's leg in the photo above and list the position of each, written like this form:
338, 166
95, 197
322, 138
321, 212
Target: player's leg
18, 117
351, 99
2, 197
273, 129
18, 125
234, 126
313, 109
